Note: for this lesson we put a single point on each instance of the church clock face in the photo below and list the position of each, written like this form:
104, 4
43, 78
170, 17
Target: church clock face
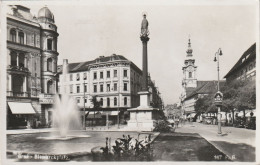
190, 69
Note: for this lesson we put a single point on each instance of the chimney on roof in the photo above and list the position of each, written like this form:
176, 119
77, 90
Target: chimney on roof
65, 62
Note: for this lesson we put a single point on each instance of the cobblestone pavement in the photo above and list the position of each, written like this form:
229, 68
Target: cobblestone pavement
237, 143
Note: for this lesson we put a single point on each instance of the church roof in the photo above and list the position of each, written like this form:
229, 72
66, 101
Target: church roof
205, 87
247, 56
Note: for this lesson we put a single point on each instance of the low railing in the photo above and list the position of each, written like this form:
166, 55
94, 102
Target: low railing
18, 94
17, 68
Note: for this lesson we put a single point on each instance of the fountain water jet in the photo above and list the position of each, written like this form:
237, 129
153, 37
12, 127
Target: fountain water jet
66, 114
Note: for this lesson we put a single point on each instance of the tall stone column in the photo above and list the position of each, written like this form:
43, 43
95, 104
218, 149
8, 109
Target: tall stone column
142, 117
25, 39
10, 83
25, 62
144, 40
17, 59
25, 84
17, 37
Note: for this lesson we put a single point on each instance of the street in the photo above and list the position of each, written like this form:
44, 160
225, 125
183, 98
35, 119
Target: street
236, 143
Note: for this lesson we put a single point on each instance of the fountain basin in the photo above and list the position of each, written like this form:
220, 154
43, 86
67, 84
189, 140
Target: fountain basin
68, 137
80, 145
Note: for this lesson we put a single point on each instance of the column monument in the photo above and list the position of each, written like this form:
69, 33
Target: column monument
143, 117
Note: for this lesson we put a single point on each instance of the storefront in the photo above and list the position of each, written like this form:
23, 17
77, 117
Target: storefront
46, 101
20, 115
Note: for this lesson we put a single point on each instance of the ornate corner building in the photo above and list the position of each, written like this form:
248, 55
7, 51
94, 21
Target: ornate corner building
31, 65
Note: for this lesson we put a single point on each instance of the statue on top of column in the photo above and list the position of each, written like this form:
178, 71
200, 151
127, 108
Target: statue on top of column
144, 27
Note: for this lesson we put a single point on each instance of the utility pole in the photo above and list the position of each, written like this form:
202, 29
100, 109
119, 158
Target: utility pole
118, 104
84, 117
219, 95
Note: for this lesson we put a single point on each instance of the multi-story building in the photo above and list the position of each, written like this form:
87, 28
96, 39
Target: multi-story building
245, 66
155, 96
31, 64
114, 80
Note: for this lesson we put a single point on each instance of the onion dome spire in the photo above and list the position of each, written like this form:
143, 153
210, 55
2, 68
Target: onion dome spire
189, 50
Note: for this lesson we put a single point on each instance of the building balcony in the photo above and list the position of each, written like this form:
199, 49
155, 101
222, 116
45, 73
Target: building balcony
17, 68
17, 94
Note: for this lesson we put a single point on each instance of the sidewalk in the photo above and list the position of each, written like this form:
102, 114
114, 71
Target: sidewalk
22, 131
89, 128
237, 143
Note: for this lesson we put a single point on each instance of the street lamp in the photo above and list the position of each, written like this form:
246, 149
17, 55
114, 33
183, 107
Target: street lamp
219, 95
216, 59
84, 117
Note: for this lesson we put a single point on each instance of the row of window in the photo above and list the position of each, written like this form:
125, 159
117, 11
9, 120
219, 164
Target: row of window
135, 76
101, 75
21, 39
248, 68
14, 38
51, 65
101, 88
108, 101
18, 59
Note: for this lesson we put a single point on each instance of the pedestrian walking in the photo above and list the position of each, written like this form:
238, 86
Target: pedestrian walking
176, 122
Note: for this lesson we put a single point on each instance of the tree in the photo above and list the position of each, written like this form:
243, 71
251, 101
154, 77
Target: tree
239, 94
204, 104
96, 105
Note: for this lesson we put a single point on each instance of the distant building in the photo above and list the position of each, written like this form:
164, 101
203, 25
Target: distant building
245, 68
31, 65
114, 80
155, 97
172, 110
192, 88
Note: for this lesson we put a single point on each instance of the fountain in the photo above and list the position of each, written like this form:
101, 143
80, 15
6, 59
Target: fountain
66, 116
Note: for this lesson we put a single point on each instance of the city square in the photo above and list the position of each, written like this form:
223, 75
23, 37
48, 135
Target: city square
130, 82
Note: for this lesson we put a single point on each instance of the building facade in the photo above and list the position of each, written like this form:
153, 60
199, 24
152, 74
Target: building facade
31, 64
192, 88
155, 95
245, 68
114, 80
172, 111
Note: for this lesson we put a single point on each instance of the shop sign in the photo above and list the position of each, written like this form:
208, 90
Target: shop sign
46, 98
218, 98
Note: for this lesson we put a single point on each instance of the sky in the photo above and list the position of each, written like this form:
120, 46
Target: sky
89, 30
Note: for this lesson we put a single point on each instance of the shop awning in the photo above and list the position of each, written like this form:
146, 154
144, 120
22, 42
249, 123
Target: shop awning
170, 121
96, 116
192, 115
21, 108
111, 113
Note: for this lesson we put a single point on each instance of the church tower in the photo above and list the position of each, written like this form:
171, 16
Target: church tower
49, 50
189, 70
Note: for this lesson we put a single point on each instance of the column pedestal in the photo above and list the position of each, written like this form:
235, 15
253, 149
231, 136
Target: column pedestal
142, 118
